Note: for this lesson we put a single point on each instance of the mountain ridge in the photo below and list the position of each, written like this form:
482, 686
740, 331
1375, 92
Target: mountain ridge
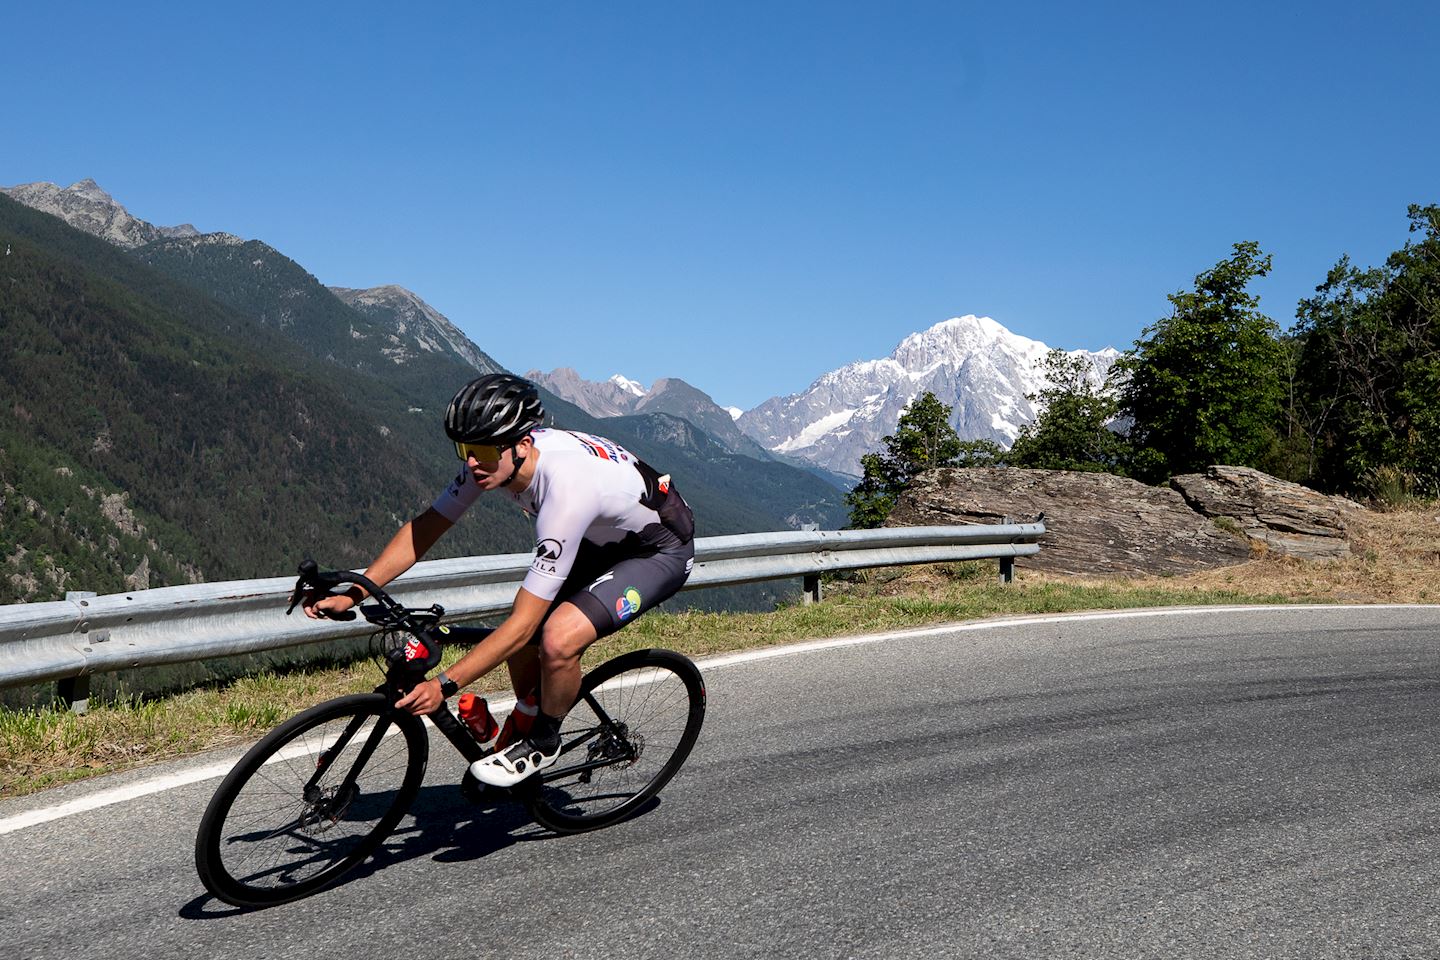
86, 206
620, 396
301, 427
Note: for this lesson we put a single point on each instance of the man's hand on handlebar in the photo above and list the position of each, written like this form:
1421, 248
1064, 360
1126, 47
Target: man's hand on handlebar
328, 606
423, 699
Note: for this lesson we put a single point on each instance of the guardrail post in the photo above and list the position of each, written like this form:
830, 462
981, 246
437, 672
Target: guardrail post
74, 692
1007, 564
812, 589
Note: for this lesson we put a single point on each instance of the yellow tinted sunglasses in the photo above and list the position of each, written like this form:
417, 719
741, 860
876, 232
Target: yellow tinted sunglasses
481, 452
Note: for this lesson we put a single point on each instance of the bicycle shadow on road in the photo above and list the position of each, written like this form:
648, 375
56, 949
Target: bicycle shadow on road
461, 830
443, 825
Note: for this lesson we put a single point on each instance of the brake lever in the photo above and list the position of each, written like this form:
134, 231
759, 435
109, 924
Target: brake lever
296, 596
308, 568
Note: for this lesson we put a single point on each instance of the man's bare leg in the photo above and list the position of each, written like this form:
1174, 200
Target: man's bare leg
567, 633
524, 666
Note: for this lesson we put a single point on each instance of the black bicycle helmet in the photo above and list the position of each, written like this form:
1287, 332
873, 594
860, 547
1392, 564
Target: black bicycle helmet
496, 409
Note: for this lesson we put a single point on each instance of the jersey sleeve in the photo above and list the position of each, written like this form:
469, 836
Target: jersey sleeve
570, 508
457, 497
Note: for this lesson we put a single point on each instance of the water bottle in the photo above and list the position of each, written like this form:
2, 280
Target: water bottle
475, 713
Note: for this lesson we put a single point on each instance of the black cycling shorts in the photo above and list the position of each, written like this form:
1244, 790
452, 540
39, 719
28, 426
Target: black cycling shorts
615, 583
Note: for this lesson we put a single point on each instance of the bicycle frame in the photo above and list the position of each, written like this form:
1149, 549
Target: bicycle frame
398, 679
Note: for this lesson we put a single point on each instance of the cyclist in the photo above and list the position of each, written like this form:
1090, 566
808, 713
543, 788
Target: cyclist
613, 538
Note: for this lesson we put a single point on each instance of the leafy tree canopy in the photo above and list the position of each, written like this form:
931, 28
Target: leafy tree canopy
1071, 432
1205, 384
1367, 380
923, 439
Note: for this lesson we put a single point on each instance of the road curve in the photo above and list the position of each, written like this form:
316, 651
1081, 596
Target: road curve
1239, 783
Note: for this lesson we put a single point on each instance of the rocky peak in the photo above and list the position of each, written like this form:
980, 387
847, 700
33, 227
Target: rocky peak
615, 397
86, 206
413, 325
620, 396
629, 386
88, 189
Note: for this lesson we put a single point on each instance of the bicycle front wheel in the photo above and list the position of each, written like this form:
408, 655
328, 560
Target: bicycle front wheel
310, 801
635, 722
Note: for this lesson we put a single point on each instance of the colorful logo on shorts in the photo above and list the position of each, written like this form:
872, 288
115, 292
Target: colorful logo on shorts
628, 604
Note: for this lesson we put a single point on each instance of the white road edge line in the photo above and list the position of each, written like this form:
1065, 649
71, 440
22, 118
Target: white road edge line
213, 771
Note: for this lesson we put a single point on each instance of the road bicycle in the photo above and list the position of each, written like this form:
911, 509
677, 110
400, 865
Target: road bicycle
320, 793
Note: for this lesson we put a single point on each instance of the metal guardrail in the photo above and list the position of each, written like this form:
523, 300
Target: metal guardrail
93, 634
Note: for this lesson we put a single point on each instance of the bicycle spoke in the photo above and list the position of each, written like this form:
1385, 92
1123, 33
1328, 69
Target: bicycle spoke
630, 731
289, 825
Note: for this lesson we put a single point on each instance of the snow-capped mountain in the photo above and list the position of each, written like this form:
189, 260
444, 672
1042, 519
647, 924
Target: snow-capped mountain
615, 397
974, 364
620, 396
86, 207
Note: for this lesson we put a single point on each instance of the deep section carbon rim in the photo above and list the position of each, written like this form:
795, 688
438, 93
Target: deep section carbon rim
636, 720
274, 831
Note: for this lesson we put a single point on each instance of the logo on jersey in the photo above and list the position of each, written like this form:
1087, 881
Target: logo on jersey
455, 485
547, 554
628, 604
600, 447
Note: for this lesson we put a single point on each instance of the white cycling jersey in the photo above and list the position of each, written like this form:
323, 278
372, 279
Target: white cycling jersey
584, 487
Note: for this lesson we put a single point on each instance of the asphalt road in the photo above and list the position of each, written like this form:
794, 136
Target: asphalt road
1203, 784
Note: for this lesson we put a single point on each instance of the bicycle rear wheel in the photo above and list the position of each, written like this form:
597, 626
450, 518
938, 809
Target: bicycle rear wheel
635, 722
310, 801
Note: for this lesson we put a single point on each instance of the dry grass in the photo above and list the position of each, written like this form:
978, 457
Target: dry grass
1396, 559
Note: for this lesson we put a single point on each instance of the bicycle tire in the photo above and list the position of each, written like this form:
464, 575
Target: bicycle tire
261, 842
658, 698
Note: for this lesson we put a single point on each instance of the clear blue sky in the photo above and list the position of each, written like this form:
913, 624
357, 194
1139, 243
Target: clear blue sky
742, 194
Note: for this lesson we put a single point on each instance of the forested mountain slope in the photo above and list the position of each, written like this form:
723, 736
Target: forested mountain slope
150, 434
146, 427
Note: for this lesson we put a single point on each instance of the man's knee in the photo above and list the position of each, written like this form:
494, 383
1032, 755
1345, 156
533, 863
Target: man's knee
566, 634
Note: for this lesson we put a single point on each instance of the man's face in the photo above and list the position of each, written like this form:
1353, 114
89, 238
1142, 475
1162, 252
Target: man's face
492, 474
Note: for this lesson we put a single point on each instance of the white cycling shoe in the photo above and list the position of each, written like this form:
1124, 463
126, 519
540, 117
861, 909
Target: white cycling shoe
513, 764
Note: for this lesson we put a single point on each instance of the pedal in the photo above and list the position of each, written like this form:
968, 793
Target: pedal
481, 793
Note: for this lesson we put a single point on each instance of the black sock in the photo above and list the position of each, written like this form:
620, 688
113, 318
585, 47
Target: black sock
545, 732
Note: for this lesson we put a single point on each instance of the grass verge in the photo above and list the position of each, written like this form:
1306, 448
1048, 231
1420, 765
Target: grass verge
1396, 559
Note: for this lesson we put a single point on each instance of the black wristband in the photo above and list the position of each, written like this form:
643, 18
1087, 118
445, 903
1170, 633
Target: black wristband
448, 687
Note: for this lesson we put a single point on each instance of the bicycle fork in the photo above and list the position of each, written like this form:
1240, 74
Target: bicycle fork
333, 807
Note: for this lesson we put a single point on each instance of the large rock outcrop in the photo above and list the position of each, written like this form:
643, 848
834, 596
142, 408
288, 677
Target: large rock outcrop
1096, 523
1286, 517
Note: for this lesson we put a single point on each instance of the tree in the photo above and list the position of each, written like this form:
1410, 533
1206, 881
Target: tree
1071, 432
1204, 385
980, 453
1367, 378
923, 439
